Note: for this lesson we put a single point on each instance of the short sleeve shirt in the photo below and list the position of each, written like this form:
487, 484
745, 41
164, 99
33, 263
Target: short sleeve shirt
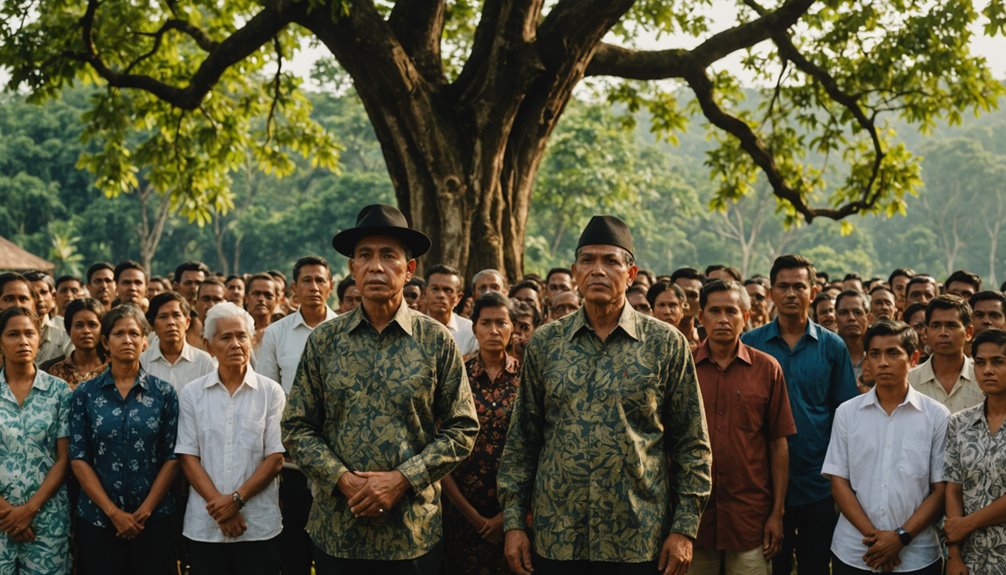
819, 377
126, 441
231, 435
976, 460
964, 394
891, 462
28, 435
747, 407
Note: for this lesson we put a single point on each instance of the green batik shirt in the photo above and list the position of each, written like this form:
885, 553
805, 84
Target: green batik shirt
608, 448
369, 401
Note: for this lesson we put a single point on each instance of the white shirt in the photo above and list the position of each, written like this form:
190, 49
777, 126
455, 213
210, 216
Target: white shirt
964, 394
463, 332
231, 434
55, 342
890, 462
192, 364
282, 345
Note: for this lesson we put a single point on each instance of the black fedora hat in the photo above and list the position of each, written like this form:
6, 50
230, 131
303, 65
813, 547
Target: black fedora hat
381, 220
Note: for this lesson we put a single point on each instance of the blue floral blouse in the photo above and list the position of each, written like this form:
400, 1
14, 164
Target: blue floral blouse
126, 441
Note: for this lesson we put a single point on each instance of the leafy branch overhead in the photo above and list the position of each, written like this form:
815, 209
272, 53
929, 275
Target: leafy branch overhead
464, 95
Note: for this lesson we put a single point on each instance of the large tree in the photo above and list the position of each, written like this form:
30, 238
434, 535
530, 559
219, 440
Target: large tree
464, 95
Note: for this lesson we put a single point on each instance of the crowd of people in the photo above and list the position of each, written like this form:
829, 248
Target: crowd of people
597, 419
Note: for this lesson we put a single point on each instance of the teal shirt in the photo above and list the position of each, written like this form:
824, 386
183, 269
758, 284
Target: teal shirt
369, 401
608, 448
28, 435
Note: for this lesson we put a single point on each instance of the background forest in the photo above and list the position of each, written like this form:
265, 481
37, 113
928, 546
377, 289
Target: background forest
601, 159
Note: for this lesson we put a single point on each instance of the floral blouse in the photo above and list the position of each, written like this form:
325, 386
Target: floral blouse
126, 441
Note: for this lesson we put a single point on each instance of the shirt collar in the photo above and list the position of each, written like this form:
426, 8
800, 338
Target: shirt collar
40, 382
108, 381
299, 317
913, 398
511, 365
772, 329
702, 353
250, 379
628, 321
452, 324
926, 372
403, 317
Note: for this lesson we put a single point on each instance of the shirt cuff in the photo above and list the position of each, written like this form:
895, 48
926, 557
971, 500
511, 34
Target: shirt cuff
687, 514
187, 450
514, 518
415, 471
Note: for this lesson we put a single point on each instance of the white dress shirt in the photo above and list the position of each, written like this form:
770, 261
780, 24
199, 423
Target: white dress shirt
192, 364
462, 330
282, 345
890, 462
231, 435
964, 394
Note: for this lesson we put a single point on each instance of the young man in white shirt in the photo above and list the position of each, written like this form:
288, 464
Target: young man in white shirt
230, 449
885, 463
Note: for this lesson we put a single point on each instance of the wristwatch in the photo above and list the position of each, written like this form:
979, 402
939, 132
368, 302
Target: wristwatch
241, 503
905, 536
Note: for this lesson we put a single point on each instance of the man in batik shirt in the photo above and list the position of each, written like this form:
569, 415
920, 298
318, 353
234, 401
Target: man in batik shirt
379, 411
607, 448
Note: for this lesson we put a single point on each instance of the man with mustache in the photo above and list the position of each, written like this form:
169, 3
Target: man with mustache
607, 448
819, 378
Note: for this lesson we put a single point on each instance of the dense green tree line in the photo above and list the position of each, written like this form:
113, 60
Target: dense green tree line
599, 159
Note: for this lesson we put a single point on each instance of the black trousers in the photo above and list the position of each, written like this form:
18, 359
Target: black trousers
245, 558
840, 568
429, 564
544, 566
295, 501
807, 531
152, 552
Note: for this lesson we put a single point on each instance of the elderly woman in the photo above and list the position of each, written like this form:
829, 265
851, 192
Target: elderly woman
34, 426
122, 450
230, 450
87, 360
473, 523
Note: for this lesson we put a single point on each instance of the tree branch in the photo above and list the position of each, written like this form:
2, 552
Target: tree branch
260, 29
419, 26
660, 64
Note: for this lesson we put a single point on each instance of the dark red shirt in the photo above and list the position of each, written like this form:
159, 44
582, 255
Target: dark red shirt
747, 407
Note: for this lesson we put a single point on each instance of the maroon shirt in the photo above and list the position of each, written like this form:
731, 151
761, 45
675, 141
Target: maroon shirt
747, 407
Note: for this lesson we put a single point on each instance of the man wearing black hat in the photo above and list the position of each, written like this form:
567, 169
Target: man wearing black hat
607, 448
380, 410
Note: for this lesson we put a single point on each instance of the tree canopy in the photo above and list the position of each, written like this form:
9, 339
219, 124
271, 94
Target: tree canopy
464, 96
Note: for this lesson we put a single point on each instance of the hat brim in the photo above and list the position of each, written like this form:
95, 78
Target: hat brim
345, 241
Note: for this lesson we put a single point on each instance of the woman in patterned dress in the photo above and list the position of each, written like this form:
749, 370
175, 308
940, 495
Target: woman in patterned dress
473, 521
122, 442
34, 427
975, 468
87, 360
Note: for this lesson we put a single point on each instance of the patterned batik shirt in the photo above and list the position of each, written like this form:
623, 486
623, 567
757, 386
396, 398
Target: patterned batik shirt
369, 401
28, 435
126, 441
976, 460
608, 447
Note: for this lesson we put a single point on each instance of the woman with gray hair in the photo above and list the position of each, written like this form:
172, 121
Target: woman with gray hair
230, 450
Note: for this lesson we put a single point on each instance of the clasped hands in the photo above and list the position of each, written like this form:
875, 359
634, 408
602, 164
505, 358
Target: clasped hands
15, 521
884, 547
373, 493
